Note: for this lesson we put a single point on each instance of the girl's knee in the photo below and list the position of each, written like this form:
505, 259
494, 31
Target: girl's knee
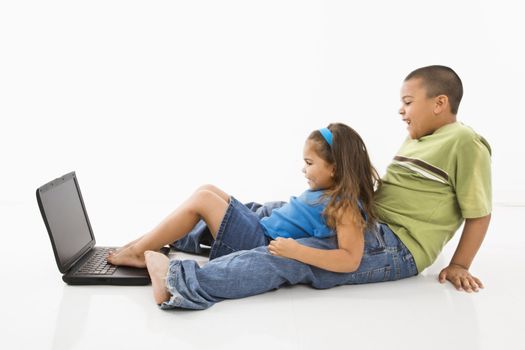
207, 187
204, 200
213, 189
202, 195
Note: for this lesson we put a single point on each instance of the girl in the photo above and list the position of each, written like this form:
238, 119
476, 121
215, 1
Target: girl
323, 229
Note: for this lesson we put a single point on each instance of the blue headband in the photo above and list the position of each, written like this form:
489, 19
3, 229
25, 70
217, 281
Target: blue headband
327, 134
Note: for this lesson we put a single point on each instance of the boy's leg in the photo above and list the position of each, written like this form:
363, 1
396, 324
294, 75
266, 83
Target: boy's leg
157, 265
206, 203
251, 272
237, 275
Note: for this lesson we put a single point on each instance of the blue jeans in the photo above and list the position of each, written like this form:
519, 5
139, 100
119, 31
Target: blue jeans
249, 272
200, 241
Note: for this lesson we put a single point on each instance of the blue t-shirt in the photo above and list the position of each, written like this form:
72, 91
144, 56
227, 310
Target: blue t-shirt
301, 217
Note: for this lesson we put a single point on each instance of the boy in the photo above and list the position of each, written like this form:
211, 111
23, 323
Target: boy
440, 176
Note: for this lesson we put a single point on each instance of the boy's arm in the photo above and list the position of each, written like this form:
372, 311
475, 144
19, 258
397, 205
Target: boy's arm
457, 271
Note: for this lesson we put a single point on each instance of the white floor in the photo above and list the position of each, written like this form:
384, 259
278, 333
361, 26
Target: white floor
38, 311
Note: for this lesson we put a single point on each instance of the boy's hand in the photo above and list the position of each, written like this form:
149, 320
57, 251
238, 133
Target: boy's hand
460, 277
285, 247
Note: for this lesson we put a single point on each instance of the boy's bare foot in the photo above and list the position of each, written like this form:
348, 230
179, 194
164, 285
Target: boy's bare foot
127, 257
157, 265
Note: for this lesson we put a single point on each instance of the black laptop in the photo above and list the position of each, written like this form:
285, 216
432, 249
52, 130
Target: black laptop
73, 241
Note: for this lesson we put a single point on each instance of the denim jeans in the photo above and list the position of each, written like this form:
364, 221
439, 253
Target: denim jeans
250, 272
199, 240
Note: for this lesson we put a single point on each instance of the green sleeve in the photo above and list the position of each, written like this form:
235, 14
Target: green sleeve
473, 178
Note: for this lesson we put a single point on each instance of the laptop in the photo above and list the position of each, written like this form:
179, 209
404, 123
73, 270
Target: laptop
73, 240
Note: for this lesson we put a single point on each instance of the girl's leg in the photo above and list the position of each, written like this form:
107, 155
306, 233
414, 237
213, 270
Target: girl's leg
125, 246
211, 188
207, 203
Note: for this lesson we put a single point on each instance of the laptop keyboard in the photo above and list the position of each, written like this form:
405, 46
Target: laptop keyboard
97, 264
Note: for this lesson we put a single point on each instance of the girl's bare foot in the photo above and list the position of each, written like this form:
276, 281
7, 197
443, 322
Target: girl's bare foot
157, 265
118, 250
127, 257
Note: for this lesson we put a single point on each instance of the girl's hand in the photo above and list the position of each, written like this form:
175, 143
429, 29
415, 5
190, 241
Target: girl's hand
461, 278
285, 247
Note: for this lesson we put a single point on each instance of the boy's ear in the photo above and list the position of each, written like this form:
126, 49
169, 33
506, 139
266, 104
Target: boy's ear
441, 104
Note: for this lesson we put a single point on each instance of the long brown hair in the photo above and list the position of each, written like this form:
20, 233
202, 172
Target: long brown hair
354, 178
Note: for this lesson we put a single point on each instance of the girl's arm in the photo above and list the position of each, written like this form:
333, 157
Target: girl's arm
346, 258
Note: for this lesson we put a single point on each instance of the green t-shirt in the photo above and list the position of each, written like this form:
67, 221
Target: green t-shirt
432, 184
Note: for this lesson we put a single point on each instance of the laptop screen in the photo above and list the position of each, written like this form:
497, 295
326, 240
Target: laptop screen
67, 223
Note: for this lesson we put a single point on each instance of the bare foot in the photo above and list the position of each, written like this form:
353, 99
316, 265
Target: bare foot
127, 257
118, 250
157, 265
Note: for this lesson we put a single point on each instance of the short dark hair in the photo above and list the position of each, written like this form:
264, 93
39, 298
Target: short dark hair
440, 80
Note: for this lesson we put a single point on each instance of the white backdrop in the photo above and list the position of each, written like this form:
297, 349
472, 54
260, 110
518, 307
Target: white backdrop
146, 100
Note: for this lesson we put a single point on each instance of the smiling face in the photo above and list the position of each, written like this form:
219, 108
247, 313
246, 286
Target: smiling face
317, 171
419, 111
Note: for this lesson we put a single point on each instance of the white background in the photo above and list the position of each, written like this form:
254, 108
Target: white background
147, 100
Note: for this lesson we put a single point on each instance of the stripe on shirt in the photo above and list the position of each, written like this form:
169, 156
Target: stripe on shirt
423, 168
